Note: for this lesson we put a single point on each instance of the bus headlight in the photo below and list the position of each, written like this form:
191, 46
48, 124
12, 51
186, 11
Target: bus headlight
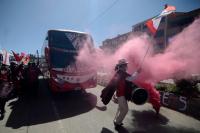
58, 80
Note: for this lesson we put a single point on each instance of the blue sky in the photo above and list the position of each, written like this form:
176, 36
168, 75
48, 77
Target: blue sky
24, 23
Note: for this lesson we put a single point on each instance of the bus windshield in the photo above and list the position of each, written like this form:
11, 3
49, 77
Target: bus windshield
64, 47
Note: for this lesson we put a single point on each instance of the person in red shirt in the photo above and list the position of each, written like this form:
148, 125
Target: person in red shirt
4, 88
33, 73
123, 90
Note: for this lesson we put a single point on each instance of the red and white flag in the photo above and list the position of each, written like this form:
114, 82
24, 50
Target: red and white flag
6, 57
17, 57
23, 58
168, 9
154, 23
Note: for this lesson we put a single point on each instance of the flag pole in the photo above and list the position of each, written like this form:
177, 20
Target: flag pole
165, 32
38, 62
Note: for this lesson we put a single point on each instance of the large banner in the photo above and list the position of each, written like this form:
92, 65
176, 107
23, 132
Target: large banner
190, 106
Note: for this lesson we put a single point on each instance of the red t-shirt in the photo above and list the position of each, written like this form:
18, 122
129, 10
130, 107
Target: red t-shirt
121, 88
4, 77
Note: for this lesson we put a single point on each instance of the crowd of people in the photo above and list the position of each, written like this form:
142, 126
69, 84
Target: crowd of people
17, 80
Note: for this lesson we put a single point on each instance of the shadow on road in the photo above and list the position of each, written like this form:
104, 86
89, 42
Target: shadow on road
119, 130
149, 122
31, 110
106, 130
149, 118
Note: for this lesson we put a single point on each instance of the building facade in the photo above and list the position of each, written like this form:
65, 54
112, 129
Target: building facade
111, 45
169, 26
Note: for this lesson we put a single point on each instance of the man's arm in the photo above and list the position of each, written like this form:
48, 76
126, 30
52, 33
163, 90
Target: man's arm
134, 75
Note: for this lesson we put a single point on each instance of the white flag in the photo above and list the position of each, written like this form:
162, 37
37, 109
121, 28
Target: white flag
6, 57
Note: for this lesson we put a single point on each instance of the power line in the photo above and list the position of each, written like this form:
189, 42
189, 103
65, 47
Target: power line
102, 13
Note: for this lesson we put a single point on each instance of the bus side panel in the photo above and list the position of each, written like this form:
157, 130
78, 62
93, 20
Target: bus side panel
60, 84
56, 87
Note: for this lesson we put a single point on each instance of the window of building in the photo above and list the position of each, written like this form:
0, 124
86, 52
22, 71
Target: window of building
181, 21
137, 28
144, 28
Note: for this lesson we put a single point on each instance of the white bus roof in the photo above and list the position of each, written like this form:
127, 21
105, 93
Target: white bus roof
68, 31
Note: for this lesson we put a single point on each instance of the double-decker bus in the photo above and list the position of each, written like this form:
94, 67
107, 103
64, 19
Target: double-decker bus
61, 48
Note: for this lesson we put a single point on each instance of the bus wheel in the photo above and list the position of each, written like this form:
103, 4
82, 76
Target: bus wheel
81, 92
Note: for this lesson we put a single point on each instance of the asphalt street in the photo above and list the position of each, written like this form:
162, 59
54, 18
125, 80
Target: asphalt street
83, 112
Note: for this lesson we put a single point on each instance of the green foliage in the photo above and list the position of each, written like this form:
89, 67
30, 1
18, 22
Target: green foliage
166, 87
185, 87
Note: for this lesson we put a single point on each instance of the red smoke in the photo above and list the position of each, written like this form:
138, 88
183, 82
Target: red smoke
180, 59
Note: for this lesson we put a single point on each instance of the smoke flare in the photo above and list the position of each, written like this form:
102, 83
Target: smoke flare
179, 60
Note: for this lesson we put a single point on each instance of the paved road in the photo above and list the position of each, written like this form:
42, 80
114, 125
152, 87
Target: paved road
84, 113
